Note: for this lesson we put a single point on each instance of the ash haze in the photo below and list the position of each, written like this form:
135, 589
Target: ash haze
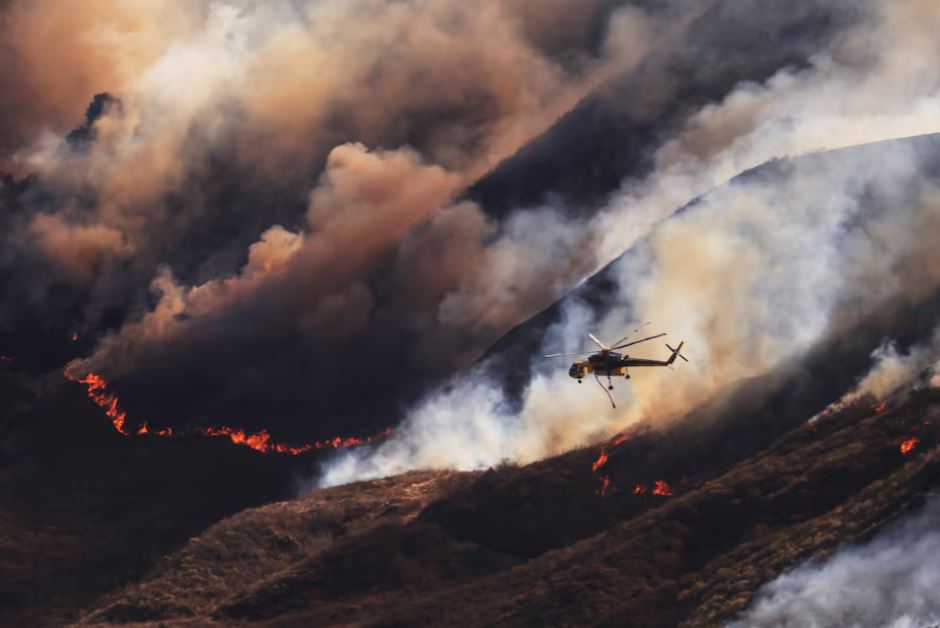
357, 225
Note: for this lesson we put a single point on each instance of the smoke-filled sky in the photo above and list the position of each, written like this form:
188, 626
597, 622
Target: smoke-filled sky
303, 216
250, 211
755, 273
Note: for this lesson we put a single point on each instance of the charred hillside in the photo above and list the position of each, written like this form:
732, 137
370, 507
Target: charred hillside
113, 506
540, 544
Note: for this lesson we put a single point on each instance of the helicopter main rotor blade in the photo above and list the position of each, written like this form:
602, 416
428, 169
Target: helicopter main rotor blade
628, 336
636, 342
558, 355
598, 342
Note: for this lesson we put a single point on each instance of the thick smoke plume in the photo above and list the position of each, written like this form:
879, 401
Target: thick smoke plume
753, 274
886, 582
290, 180
290, 173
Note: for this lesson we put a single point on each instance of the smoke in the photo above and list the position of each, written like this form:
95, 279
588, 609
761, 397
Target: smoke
887, 582
754, 273
893, 372
304, 221
288, 171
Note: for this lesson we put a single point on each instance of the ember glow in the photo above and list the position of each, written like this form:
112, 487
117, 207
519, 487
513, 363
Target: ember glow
661, 487
881, 407
259, 441
908, 445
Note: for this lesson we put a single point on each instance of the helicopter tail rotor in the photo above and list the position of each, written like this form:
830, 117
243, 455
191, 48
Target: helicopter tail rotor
676, 352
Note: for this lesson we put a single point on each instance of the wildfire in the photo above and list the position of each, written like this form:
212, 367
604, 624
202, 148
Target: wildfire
97, 392
881, 407
908, 445
602, 460
661, 487
259, 441
144, 429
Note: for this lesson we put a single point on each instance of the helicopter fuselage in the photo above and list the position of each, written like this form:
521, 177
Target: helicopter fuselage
610, 364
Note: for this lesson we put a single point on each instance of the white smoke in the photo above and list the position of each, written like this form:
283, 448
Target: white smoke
895, 371
754, 274
890, 582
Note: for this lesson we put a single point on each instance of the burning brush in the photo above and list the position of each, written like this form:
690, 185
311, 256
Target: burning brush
660, 488
260, 441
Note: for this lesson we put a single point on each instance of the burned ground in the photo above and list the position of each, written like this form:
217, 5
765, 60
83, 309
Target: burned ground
539, 544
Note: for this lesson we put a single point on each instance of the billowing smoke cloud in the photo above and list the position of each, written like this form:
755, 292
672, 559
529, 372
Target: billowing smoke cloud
288, 177
754, 274
886, 582
263, 93
758, 272
204, 153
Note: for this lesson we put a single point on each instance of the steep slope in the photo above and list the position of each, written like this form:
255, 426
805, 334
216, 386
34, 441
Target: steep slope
385, 552
66, 550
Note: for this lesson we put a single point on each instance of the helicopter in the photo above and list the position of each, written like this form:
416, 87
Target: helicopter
608, 362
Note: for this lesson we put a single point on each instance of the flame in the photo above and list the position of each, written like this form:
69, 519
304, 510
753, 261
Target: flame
881, 407
144, 430
97, 392
600, 462
259, 441
661, 487
908, 445
74, 336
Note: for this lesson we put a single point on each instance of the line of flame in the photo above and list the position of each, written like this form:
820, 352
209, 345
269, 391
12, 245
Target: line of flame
259, 441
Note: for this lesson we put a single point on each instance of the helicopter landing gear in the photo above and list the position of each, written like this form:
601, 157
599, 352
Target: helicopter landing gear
579, 380
609, 385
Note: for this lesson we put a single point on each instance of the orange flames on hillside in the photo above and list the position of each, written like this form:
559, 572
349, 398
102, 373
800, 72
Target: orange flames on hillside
908, 445
660, 487
97, 392
259, 441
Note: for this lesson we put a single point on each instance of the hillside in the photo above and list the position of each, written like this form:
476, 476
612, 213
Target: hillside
111, 508
539, 544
